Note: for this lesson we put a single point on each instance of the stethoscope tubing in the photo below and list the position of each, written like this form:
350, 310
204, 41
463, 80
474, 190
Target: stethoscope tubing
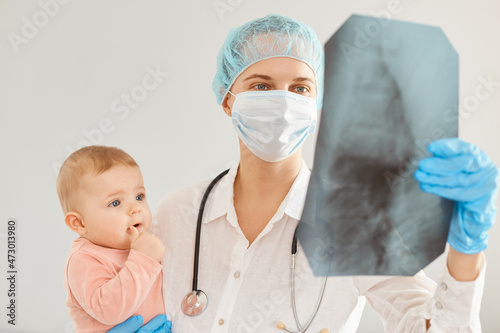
294, 305
198, 227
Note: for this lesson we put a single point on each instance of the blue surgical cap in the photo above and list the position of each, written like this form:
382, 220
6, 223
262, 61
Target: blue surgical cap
267, 37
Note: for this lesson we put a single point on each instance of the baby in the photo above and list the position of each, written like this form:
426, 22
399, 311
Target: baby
113, 269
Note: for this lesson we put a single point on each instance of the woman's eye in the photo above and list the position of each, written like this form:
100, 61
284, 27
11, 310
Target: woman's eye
140, 197
260, 87
115, 203
301, 89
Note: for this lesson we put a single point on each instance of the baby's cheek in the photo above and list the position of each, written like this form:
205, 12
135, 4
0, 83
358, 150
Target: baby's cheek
149, 219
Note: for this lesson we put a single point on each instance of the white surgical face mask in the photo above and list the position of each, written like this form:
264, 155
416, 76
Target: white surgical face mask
273, 124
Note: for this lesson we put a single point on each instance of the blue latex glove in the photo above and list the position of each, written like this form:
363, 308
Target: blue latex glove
158, 324
461, 172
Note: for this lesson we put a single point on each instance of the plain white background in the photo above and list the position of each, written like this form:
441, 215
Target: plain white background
61, 83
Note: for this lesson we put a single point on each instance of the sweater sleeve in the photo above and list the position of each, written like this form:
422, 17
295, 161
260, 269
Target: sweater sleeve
109, 296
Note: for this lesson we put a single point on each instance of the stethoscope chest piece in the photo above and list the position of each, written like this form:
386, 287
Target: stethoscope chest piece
194, 303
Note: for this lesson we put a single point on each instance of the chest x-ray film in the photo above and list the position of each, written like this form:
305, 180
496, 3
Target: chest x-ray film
391, 88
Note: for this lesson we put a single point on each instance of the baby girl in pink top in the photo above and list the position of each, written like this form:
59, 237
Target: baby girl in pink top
113, 270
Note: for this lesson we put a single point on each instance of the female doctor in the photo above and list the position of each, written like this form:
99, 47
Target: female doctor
269, 80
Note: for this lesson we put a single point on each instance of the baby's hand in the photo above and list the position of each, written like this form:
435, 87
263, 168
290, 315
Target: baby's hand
147, 243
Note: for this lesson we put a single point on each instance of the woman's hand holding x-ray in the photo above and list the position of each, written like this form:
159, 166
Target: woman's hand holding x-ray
461, 172
158, 324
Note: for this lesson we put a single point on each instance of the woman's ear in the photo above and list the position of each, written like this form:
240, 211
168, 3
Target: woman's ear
75, 222
227, 104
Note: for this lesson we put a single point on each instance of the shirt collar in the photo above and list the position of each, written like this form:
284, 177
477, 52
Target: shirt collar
296, 197
223, 191
292, 205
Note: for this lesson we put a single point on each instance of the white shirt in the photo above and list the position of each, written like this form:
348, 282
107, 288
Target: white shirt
248, 288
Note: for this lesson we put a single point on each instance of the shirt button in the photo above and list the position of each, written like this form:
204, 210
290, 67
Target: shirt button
444, 286
439, 306
236, 275
221, 321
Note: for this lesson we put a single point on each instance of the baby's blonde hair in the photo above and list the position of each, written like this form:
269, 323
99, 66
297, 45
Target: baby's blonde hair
91, 160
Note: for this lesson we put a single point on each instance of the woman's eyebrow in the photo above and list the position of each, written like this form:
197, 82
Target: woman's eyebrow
260, 76
300, 79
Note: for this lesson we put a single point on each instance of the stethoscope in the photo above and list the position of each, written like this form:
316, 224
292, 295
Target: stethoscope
195, 302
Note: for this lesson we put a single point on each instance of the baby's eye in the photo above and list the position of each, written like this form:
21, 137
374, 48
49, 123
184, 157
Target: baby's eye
115, 203
140, 197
